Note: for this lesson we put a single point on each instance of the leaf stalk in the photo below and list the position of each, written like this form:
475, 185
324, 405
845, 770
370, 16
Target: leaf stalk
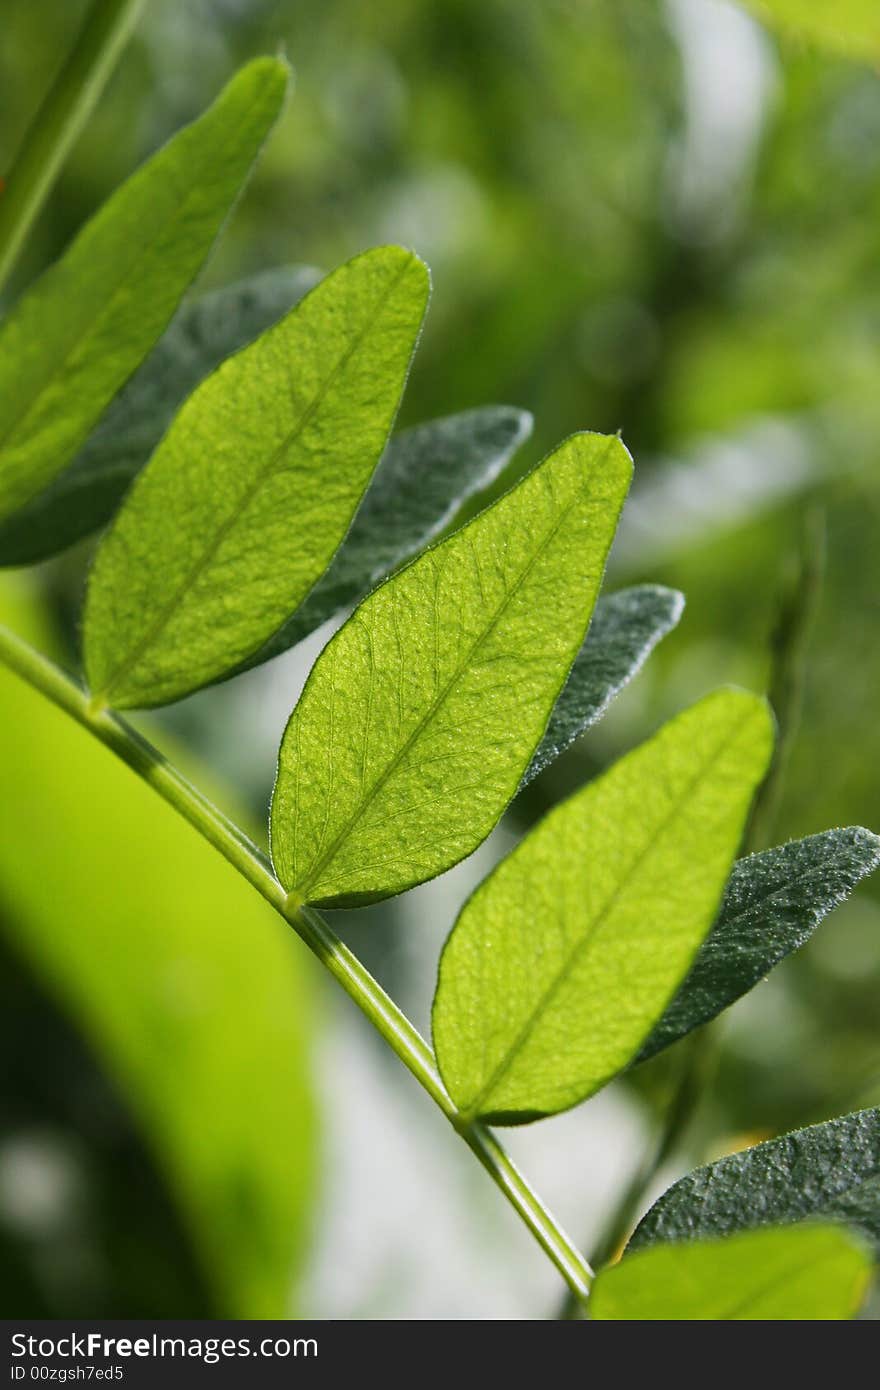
369, 996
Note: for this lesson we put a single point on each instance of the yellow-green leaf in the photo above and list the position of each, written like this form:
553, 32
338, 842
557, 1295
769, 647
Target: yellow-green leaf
851, 27
242, 505
190, 991
74, 339
791, 1274
422, 713
567, 954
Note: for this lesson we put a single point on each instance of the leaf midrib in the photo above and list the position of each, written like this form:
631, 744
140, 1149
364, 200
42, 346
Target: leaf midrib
317, 869
739, 1309
131, 659
82, 340
599, 918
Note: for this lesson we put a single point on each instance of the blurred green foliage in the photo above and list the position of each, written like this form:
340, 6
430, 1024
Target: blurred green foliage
179, 978
654, 217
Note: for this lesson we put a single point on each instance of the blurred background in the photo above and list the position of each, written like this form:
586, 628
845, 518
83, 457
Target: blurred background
658, 216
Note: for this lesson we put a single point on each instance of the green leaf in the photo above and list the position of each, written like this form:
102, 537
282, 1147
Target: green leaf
851, 27
201, 335
567, 954
804, 1274
77, 336
773, 903
253, 487
626, 628
175, 971
421, 714
829, 1171
423, 479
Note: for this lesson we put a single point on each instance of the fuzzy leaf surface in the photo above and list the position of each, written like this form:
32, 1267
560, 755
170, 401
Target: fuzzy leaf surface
626, 628
422, 713
73, 340
802, 1274
772, 904
567, 954
829, 1171
253, 488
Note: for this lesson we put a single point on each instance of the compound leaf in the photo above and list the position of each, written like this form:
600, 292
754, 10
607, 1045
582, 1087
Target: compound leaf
803, 1274
567, 954
423, 478
201, 335
829, 1171
626, 628
253, 487
173, 970
772, 904
77, 336
421, 714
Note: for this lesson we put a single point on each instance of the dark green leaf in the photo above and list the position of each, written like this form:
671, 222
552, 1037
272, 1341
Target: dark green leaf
566, 955
626, 628
202, 334
250, 492
421, 714
829, 1171
424, 477
802, 1274
74, 340
773, 903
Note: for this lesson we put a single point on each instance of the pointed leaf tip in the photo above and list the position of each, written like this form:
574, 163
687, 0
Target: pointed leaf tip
565, 956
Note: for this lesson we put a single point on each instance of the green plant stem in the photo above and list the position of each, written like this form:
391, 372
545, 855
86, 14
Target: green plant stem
697, 1063
59, 120
358, 983
789, 647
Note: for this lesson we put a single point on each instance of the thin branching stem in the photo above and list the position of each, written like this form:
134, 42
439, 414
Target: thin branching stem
59, 120
385, 1016
789, 653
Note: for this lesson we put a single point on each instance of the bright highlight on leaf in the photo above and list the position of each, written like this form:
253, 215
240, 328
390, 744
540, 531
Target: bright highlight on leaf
799, 1274
567, 954
829, 1171
254, 486
194, 1004
77, 336
422, 713
201, 335
423, 479
772, 904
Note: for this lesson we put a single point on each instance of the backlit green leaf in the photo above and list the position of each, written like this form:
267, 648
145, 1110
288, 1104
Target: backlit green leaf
626, 628
424, 476
567, 954
421, 714
176, 972
851, 27
803, 1274
202, 334
828, 1171
253, 487
77, 336
772, 904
